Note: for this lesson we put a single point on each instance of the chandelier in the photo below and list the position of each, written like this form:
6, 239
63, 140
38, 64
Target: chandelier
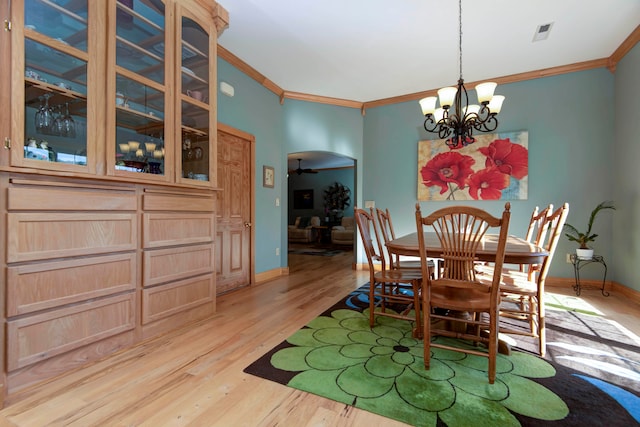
455, 119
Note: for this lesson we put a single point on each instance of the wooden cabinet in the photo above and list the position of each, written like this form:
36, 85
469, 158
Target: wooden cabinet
72, 272
93, 266
108, 178
120, 88
178, 259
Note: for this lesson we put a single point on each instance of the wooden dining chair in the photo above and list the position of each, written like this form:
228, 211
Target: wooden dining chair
396, 261
460, 230
392, 292
536, 233
523, 292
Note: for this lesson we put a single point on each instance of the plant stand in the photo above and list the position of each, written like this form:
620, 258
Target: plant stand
578, 263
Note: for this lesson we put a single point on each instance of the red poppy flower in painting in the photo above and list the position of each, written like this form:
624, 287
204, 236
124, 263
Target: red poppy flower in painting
511, 159
489, 182
445, 168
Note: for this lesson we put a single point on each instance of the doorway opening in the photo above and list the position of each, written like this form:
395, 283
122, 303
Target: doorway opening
321, 197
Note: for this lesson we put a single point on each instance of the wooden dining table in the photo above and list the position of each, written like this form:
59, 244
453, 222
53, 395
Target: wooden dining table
517, 251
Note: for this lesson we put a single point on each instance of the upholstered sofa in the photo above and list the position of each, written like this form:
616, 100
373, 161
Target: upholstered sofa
343, 234
302, 230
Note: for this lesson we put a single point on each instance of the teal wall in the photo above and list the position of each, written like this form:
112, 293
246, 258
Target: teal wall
625, 171
568, 155
582, 129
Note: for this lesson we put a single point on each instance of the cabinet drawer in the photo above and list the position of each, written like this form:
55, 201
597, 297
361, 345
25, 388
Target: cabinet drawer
35, 197
39, 337
163, 301
166, 265
51, 284
33, 236
177, 229
178, 202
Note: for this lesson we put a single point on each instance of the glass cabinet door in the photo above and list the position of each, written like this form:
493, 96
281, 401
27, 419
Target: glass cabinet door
55, 49
194, 99
140, 89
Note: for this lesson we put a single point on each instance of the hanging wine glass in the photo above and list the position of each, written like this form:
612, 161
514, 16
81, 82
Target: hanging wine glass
44, 115
68, 124
47, 115
58, 125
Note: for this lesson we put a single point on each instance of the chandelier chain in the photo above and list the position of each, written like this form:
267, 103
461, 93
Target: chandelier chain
460, 35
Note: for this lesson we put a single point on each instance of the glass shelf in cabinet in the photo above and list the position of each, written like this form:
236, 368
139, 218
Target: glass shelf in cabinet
36, 88
66, 22
136, 120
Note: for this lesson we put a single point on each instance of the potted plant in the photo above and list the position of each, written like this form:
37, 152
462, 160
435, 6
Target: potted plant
583, 238
336, 198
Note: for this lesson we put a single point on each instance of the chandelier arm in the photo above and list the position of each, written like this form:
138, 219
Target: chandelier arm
429, 124
444, 131
489, 125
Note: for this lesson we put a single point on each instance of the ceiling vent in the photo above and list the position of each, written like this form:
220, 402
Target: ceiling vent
542, 32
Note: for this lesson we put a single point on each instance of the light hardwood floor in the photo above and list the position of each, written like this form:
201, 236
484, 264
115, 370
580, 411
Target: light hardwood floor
194, 377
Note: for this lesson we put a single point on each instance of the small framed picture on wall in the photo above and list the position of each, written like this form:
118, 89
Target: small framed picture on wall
268, 176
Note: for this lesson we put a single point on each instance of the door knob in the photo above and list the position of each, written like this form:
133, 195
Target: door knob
247, 224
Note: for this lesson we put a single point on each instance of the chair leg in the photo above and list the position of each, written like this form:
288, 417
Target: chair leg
415, 285
493, 346
426, 326
372, 303
542, 333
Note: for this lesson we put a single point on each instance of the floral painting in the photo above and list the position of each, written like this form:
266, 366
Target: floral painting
495, 167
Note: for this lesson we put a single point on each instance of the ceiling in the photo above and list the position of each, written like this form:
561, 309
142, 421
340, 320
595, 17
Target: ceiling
367, 50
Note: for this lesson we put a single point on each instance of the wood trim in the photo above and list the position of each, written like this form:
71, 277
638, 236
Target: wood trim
609, 62
249, 71
513, 78
610, 286
265, 276
322, 99
630, 294
623, 49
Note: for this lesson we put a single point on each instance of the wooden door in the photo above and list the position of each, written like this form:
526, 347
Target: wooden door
234, 223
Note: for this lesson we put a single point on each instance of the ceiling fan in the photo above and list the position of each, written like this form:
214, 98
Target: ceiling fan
300, 171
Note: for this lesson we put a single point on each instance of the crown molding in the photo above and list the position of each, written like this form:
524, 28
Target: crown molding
611, 62
623, 49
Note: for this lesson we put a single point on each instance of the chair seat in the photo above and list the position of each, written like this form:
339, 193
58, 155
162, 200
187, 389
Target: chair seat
401, 276
512, 281
414, 264
460, 298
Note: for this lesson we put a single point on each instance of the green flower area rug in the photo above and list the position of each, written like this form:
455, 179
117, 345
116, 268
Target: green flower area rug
591, 376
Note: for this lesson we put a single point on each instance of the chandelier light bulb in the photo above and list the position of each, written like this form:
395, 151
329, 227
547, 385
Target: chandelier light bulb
428, 104
485, 92
496, 104
446, 95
